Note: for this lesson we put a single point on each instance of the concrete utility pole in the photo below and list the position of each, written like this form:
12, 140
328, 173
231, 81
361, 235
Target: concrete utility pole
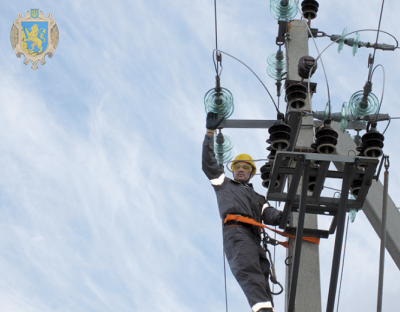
373, 203
308, 294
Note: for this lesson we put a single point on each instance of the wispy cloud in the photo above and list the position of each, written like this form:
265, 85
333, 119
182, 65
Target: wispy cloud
103, 204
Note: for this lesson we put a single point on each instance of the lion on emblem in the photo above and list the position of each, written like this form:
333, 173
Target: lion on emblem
33, 37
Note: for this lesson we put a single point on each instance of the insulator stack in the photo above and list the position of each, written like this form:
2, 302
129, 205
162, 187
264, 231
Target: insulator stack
296, 95
343, 117
307, 66
277, 65
360, 108
372, 144
315, 162
279, 136
223, 145
311, 183
356, 186
346, 40
284, 10
310, 9
324, 115
326, 140
272, 154
266, 175
220, 102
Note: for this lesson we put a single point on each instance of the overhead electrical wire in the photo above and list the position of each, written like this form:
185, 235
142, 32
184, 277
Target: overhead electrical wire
216, 64
219, 73
226, 290
376, 42
390, 119
276, 107
344, 254
216, 31
383, 87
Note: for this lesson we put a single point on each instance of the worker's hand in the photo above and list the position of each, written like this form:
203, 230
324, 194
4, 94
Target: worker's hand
212, 121
279, 218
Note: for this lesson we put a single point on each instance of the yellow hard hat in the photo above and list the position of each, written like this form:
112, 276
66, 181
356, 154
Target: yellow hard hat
246, 158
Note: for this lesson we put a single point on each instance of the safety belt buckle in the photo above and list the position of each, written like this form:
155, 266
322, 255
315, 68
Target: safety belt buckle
269, 240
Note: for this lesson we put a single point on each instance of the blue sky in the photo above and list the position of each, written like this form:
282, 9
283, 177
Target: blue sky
103, 204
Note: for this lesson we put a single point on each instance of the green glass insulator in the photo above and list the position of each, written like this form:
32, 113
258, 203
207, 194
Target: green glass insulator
344, 120
327, 108
352, 212
223, 146
277, 66
352, 215
219, 102
341, 41
355, 44
358, 109
284, 10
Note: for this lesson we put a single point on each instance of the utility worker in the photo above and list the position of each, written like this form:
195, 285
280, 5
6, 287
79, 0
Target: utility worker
247, 259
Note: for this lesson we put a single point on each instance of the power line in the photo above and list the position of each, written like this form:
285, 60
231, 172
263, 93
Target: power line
216, 30
377, 36
341, 274
254, 75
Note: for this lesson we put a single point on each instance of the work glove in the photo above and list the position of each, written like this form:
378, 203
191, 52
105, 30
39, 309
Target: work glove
212, 121
279, 218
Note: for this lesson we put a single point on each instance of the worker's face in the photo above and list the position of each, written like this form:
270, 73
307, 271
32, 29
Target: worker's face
241, 172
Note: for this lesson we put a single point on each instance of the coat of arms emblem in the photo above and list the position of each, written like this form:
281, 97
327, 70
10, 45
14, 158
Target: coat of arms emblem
34, 36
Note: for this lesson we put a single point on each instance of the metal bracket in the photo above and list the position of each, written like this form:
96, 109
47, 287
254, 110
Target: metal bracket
317, 204
281, 33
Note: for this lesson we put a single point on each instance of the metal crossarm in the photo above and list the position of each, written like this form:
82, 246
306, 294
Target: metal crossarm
365, 168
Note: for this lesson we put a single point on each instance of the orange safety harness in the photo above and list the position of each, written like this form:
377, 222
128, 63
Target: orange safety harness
251, 221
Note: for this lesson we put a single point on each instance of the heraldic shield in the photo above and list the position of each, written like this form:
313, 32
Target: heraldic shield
34, 36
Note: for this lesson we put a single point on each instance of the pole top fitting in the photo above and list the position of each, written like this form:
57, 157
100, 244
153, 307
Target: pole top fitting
387, 163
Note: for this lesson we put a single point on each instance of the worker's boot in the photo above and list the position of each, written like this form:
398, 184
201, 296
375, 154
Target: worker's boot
266, 310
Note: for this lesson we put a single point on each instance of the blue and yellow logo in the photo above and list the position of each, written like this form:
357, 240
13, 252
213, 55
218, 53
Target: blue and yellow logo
34, 13
34, 37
